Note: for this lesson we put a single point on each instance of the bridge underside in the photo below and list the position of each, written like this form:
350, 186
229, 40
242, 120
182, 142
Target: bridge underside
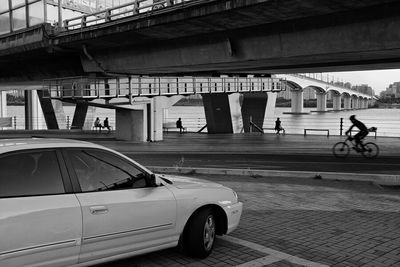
216, 37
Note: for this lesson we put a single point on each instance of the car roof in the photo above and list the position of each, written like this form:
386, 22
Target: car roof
8, 145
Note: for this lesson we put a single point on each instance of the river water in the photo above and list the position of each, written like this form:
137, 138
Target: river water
386, 120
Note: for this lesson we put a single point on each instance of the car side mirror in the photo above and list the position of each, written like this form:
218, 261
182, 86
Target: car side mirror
152, 180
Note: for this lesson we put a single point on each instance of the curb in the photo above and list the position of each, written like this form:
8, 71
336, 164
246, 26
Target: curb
381, 179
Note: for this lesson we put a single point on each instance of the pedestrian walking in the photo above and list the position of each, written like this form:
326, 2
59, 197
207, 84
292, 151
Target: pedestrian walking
278, 126
179, 125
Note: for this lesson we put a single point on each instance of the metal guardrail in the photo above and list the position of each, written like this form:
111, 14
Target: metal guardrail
129, 87
118, 12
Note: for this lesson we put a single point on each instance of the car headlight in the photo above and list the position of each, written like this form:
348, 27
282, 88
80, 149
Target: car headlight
235, 195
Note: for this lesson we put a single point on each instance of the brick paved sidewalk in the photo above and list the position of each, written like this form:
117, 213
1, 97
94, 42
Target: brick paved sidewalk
292, 222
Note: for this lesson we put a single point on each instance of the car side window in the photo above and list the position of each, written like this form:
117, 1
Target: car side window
29, 174
101, 171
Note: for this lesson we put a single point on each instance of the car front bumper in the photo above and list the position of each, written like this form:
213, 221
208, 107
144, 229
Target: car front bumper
233, 212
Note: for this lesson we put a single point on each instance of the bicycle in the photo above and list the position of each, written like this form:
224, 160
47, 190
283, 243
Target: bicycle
342, 149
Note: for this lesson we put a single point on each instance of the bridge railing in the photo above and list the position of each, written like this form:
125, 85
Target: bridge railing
114, 13
117, 87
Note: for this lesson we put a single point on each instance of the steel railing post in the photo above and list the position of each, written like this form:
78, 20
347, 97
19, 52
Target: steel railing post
130, 89
341, 126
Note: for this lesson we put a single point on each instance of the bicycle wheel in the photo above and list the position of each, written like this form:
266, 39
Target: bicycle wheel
341, 150
371, 150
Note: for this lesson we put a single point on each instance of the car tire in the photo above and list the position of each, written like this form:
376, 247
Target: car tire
199, 236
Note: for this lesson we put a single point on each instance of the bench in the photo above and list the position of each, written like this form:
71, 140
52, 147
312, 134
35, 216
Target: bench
98, 128
171, 125
6, 122
316, 130
273, 129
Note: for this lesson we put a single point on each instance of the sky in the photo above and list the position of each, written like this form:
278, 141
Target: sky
379, 80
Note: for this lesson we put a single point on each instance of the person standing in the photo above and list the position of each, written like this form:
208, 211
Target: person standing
179, 125
106, 124
278, 126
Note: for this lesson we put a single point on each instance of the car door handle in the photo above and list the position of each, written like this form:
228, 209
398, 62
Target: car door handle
98, 210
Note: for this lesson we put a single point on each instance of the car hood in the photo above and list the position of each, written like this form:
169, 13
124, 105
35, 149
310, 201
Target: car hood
183, 182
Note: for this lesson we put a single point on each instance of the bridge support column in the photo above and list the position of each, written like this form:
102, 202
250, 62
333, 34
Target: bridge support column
32, 113
297, 101
218, 113
254, 105
360, 103
271, 103
347, 102
337, 102
159, 104
48, 111
78, 121
130, 124
235, 101
3, 104
364, 103
354, 103
321, 102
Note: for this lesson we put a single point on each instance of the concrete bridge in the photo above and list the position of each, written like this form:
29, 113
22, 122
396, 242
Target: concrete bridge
229, 102
210, 37
202, 38
351, 99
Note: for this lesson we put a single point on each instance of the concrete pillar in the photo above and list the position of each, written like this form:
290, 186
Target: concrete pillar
347, 102
130, 124
218, 113
80, 113
33, 115
159, 105
365, 103
271, 103
337, 102
297, 101
354, 103
321, 101
48, 111
236, 112
253, 106
3, 104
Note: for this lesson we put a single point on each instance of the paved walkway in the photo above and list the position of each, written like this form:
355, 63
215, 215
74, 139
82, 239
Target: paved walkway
297, 222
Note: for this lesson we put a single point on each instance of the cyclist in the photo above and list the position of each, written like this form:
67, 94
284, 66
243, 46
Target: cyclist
361, 134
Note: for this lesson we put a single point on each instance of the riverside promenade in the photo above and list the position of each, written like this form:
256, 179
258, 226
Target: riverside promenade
267, 155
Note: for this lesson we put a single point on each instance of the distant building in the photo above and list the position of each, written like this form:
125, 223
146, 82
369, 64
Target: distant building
363, 88
393, 91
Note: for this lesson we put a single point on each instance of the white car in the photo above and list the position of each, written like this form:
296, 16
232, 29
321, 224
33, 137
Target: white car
74, 203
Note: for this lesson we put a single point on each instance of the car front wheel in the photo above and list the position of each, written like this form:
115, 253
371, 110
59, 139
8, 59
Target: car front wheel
199, 237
